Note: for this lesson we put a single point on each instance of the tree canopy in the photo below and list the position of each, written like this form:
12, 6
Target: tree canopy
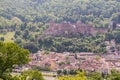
11, 55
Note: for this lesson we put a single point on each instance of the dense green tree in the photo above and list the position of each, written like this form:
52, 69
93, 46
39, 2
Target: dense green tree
117, 37
115, 75
109, 36
73, 72
2, 39
95, 76
65, 72
32, 47
59, 72
10, 56
25, 34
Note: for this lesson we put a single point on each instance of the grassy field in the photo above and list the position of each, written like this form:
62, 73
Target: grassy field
8, 37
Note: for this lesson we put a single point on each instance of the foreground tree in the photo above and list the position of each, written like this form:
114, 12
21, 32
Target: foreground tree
10, 56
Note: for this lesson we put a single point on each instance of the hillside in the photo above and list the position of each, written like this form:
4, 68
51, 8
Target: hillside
30, 19
87, 11
67, 29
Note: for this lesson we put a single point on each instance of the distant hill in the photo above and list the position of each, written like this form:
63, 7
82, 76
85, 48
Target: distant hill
87, 11
29, 20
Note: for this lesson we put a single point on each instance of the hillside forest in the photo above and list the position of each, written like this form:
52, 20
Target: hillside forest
60, 25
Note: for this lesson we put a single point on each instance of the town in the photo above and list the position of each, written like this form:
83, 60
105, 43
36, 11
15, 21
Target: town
87, 61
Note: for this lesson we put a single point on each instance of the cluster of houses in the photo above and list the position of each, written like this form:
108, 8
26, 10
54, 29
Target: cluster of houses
87, 61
